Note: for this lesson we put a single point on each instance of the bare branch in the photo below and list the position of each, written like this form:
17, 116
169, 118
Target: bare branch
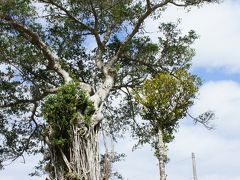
204, 119
179, 5
28, 140
190, 3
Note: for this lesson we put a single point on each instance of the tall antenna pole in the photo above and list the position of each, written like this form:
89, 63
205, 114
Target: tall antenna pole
194, 167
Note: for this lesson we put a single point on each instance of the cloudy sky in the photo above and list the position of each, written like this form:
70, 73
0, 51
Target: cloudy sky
218, 63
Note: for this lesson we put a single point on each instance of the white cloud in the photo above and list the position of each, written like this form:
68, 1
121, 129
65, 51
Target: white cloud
20, 170
216, 156
139, 164
217, 150
223, 97
218, 26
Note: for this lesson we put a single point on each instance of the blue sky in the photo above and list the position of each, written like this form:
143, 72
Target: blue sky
218, 62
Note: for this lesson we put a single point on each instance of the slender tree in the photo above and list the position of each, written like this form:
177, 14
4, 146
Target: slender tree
62, 64
165, 99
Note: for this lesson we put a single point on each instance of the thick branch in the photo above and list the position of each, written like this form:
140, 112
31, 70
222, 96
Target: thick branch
99, 97
53, 59
148, 4
99, 61
102, 93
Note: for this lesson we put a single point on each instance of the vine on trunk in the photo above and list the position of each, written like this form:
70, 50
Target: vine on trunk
64, 111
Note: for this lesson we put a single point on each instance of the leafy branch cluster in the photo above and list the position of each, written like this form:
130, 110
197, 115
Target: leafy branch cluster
67, 107
165, 99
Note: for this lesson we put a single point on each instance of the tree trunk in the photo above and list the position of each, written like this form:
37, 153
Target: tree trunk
161, 155
84, 155
80, 161
73, 144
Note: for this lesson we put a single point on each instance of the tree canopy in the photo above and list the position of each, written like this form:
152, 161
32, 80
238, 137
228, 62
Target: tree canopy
166, 99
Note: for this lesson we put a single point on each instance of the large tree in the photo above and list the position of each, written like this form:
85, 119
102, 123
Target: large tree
63, 62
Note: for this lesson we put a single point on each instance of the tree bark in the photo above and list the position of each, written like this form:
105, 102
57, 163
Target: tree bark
84, 155
79, 161
161, 155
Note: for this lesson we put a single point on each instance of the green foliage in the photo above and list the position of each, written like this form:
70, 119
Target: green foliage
17, 7
64, 109
175, 48
165, 99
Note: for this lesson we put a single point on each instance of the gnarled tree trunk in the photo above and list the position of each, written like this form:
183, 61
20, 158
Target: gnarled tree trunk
84, 155
80, 161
